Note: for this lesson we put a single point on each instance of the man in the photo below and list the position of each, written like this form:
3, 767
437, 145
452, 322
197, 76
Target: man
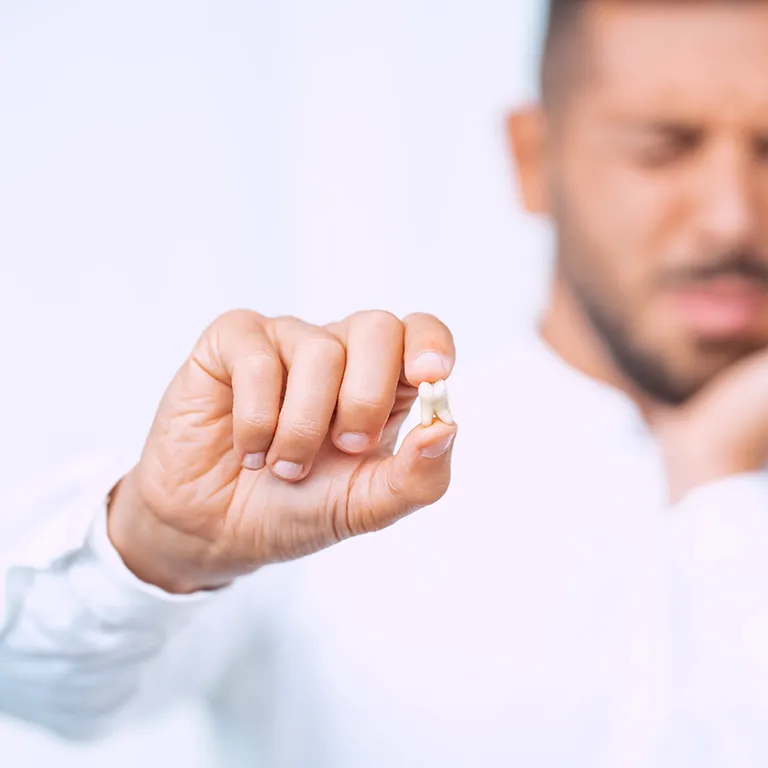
592, 591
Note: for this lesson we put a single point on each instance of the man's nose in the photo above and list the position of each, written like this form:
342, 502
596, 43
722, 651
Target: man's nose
728, 199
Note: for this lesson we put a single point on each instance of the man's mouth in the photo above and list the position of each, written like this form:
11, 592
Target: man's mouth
721, 307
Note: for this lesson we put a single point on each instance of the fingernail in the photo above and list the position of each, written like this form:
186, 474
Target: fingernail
438, 448
287, 470
354, 441
255, 460
431, 364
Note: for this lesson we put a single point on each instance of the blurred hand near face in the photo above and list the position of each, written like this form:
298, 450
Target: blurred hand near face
722, 431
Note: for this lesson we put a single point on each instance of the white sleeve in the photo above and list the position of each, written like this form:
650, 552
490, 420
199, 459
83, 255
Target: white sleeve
719, 563
83, 643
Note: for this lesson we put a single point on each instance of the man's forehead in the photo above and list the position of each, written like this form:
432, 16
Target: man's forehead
684, 55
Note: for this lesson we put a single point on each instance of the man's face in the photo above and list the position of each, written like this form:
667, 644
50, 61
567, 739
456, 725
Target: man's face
658, 185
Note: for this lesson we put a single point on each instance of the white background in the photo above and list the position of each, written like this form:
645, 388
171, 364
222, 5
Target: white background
161, 162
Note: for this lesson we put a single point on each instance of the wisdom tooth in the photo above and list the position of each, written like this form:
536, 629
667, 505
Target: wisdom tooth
434, 402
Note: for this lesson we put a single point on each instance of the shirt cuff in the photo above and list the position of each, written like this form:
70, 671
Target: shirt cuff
60, 527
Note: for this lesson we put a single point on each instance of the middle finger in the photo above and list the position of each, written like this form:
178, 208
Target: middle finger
374, 342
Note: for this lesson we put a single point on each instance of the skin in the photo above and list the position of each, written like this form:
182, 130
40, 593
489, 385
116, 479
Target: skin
210, 499
652, 165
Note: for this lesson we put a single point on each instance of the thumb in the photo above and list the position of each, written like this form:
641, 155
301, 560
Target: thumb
416, 476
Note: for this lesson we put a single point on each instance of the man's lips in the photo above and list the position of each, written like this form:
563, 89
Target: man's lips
722, 307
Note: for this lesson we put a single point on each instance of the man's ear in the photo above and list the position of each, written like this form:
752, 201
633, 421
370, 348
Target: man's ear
526, 133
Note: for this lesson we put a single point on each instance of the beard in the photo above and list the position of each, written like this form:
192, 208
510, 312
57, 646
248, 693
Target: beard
645, 369
668, 373
665, 373
658, 373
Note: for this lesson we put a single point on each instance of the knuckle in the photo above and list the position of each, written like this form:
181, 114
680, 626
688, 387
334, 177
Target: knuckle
379, 318
235, 318
303, 431
255, 419
422, 317
261, 361
287, 320
416, 492
430, 324
425, 494
282, 324
324, 347
361, 404
407, 498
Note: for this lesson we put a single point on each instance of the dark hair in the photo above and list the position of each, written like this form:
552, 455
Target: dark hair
556, 65
559, 10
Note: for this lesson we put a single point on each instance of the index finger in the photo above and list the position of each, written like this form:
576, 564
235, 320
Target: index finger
430, 353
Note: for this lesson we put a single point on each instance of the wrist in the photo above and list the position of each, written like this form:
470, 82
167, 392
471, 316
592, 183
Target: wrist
152, 550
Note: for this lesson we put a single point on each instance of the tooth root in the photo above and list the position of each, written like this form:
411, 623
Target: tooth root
427, 397
444, 414
442, 408
427, 414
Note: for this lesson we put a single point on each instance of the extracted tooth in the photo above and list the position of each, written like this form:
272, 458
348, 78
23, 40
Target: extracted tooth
442, 409
426, 397
439, 390
440, 402
434, 402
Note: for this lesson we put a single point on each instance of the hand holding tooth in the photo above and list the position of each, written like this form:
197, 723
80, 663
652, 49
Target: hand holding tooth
277, 438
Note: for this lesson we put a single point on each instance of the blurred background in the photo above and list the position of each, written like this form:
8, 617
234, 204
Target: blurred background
162, 162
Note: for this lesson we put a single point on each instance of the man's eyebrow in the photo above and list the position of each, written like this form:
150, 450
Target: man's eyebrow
658, 124
679, 129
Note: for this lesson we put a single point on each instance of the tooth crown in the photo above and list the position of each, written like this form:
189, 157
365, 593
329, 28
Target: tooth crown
434, 402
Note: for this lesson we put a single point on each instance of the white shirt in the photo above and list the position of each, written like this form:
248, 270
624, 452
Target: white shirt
551, 610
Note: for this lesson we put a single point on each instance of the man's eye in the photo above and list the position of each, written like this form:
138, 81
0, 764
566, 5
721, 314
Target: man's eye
668, 148
761, 147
